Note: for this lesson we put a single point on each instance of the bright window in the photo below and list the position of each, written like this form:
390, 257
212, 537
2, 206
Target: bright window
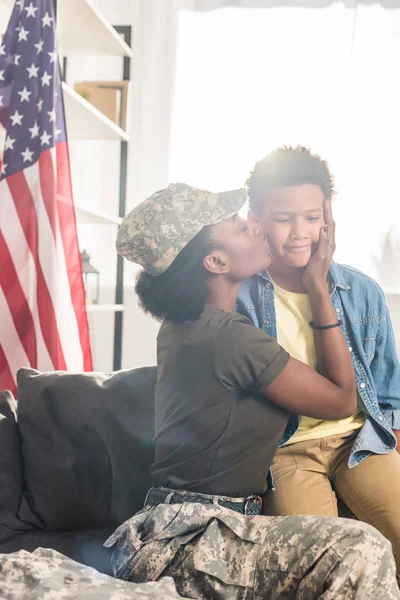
249, 80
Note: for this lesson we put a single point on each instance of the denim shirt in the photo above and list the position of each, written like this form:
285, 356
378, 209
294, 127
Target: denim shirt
360, 305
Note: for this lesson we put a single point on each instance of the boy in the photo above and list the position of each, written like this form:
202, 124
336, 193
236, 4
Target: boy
354, 458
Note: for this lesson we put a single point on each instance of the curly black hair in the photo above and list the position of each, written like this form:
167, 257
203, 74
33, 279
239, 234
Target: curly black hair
287, 166
179, 294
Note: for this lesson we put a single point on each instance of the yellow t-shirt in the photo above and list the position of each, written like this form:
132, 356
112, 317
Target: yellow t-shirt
293, 315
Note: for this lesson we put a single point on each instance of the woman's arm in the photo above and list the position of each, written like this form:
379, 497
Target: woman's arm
300, 389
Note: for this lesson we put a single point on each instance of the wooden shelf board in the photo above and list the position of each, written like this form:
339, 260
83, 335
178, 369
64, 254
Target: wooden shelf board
84, 121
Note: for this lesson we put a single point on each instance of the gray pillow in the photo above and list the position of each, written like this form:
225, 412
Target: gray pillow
86, 445
10, 469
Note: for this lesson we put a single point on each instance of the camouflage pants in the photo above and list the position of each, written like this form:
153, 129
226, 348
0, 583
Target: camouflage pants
214, 552
48, 575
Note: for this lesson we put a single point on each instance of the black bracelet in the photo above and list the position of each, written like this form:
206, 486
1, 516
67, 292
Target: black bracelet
338, 324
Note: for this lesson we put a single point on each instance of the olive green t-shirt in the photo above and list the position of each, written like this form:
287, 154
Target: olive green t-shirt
214, 432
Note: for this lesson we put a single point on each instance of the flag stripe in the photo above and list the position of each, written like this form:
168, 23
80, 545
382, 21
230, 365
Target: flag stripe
27, 215
67, 220
9, 341
16, 300
43, 321
48, 186
53, 263
25, 269
6, 378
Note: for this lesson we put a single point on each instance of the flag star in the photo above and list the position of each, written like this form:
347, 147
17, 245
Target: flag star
57, 133
1, 100
40, 104
34, 131
47, 19
53, 56
9, 143
39, 46
16, 118
2, 75
23, 35
20, 3
25, 95
46, 78
45, 139
31, 10
52, 115
3, 50
32, 70
16, 59
27, 155
3, 169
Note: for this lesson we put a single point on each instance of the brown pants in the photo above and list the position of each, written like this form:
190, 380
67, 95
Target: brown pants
310, 475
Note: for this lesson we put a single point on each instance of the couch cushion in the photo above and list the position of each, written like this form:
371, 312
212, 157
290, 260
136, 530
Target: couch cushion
86, 445
10, 469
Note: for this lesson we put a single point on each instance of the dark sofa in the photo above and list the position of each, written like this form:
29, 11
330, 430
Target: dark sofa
75, 456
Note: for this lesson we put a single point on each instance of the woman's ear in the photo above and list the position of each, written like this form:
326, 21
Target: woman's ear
215, 263
253, 217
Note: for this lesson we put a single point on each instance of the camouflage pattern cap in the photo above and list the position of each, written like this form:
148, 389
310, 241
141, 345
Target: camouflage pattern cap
153, 233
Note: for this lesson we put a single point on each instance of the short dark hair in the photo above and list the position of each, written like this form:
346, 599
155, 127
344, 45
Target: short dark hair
179, 294
287, 166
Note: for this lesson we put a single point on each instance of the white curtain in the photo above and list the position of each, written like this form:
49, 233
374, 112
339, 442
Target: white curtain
249, 79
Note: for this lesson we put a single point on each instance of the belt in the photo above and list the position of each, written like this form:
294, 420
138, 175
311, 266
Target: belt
250, 505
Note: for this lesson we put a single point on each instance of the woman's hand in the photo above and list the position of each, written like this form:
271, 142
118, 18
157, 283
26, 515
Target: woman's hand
316, 271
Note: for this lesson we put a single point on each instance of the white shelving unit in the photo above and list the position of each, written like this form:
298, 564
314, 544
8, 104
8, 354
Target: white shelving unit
85, 121
92, 35
82, 30
89, 34
5, 12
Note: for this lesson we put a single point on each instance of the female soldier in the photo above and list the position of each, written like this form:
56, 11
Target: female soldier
223, 397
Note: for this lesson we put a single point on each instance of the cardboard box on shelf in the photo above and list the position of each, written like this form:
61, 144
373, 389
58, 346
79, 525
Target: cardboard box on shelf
110, 97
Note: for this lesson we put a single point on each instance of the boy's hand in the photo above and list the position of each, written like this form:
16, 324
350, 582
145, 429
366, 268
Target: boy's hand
316, 271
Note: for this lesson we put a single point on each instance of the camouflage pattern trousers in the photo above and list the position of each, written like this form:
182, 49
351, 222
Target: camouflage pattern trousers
48, 575
214, 552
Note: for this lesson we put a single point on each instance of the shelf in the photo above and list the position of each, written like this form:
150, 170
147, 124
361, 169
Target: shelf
89, 34
82, 30
86, 215
84, 121
104, 307
5, 14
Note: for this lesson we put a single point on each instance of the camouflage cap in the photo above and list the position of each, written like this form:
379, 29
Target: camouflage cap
153, 233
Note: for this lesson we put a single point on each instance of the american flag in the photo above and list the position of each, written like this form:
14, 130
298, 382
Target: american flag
43, 321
